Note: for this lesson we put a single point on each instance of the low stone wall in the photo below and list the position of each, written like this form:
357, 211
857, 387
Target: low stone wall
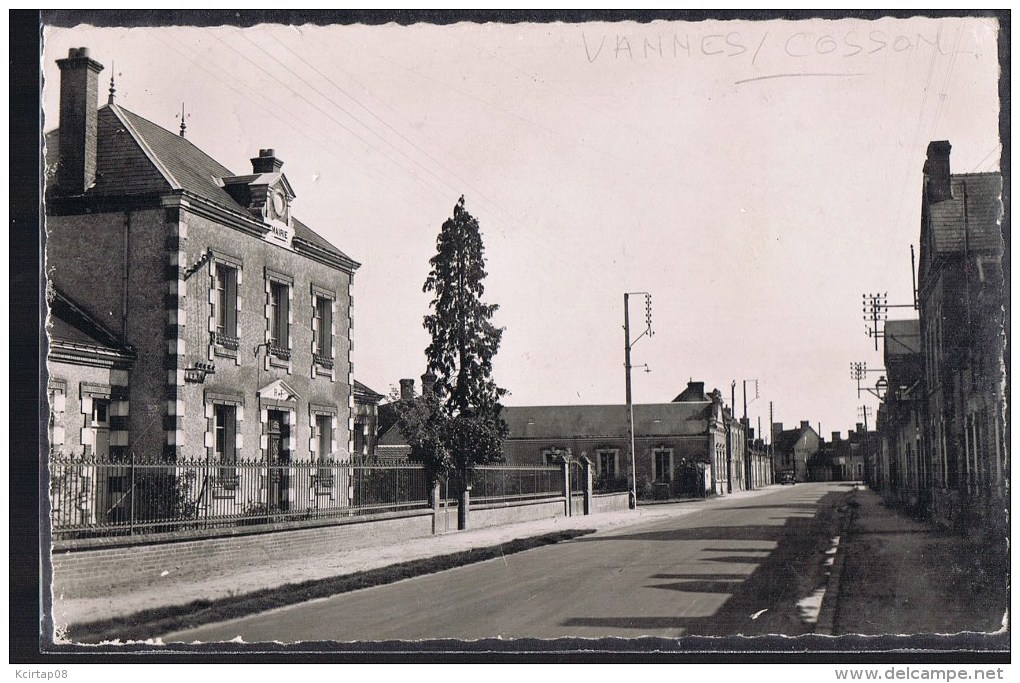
90, 572
495, 514
609, 502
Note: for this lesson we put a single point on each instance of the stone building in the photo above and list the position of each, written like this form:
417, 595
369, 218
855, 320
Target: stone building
794, 448
961, 302
225, 321
682, 448
901, 469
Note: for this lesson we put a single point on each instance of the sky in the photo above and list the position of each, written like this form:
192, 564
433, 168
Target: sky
756, 178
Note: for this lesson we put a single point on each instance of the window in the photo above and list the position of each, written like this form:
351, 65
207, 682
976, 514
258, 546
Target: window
663, 464
99, 422
226, 306
279, 319
323, 331
607, 464
225, 417
324, 431
361, 439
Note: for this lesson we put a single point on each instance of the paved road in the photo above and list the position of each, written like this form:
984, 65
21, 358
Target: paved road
736, 566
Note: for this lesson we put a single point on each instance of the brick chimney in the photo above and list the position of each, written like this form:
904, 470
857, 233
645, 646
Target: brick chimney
407, 390
428, 383
79, 105
936, 171
860, 427
266, 162
835, 436
805, 424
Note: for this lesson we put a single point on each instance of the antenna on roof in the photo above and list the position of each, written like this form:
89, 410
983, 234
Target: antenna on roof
113, 90
182, 116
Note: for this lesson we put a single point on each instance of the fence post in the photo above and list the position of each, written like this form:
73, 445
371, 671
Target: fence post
565, 466
586, 464
465, 501
436, 506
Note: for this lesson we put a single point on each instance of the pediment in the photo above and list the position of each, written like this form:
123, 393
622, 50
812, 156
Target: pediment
278, 391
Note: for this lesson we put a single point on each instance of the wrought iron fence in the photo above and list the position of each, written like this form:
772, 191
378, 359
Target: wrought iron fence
91, 498
610, 484
494, 483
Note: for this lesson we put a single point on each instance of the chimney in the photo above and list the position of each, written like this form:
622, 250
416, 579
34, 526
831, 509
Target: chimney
936, 171
407, 390
835, 436
79, 105
428, 383
266, 162
777, 428
860, 427
805, 424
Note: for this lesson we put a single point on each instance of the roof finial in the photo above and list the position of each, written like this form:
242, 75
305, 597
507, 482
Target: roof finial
183, 125
113, 90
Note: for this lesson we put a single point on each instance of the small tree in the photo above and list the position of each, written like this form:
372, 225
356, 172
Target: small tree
457, 424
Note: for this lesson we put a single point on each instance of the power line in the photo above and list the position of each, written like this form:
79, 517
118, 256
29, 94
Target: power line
270, 110
390, 127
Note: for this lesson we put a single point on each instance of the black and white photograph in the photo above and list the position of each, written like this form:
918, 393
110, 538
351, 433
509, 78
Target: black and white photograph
677, 333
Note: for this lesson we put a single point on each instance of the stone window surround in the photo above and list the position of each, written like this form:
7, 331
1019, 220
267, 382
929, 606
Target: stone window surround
615, 453
315, 410
212, 398
278, 277
655, 454
317, 368
223, 258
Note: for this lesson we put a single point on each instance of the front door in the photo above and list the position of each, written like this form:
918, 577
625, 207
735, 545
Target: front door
278, 433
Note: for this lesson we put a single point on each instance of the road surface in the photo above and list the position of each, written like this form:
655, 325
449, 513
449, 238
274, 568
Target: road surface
738, 566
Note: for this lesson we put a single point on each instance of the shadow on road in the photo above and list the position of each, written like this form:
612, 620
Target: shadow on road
762, 602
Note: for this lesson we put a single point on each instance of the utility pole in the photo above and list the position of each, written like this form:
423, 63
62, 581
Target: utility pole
772, 443
747, 435
729, 437
627, 345
865, 411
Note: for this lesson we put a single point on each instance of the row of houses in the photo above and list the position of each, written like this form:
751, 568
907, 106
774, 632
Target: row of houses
942, 421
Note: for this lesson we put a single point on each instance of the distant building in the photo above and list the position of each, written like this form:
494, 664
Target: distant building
961, 299
900, 467
193, 316
844, 459
794, 448
366, 421
682, 448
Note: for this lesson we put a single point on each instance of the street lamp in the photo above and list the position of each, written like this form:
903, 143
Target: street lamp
859, 370
628, 344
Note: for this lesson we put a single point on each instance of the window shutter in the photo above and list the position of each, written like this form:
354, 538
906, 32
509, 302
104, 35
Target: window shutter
327, 327
283, 311
230, 302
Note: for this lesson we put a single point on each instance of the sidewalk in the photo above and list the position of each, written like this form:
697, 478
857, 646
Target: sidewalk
171, 590
901, 576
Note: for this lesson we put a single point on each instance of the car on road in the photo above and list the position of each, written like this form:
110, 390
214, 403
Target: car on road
787, 478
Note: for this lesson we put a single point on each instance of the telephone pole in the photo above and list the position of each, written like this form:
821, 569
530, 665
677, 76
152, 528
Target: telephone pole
628, 344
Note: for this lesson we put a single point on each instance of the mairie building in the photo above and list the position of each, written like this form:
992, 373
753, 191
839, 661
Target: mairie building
192, 315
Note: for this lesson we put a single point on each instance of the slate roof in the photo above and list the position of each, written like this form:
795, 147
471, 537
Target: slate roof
363, 392
656, 419
72, 324
138, 157
977, 195
788, 438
